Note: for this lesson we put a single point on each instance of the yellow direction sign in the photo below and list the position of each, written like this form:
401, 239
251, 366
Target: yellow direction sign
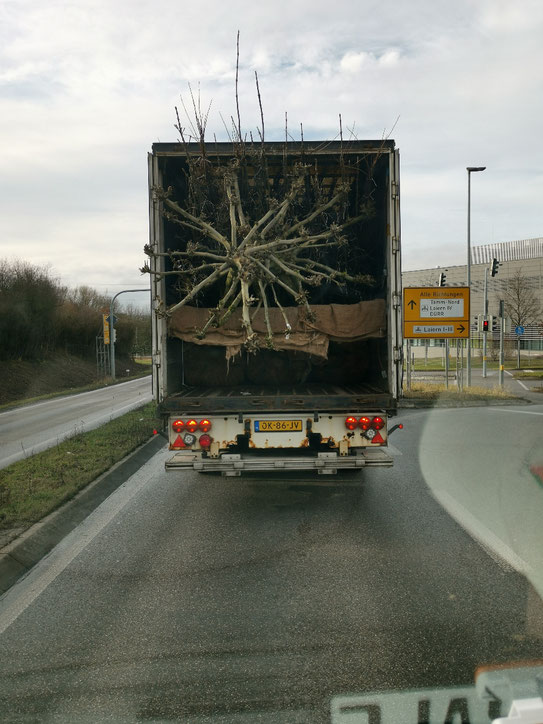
435, 312
106, 328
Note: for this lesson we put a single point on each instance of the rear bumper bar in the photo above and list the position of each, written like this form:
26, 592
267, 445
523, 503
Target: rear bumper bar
322, 463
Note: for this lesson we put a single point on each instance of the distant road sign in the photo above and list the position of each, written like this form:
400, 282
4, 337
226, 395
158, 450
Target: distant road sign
436, 312
106, 328
108, 320
519, 330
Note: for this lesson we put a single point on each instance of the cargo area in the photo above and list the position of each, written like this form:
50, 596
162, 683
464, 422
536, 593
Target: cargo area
343, 355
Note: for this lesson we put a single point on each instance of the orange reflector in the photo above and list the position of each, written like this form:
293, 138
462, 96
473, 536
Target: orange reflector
377, 439
178, 443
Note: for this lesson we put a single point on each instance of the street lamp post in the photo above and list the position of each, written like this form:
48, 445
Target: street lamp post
470, 170
112, 326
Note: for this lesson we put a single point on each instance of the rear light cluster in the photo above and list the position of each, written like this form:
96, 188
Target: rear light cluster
191, 425
364, 423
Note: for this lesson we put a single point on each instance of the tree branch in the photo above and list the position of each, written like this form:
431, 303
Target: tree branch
206, 282
209, 230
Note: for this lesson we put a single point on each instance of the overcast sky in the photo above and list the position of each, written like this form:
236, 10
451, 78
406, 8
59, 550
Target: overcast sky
87, 86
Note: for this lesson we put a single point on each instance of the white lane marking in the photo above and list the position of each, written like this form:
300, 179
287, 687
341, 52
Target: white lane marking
520, 383
518, 412
26, 591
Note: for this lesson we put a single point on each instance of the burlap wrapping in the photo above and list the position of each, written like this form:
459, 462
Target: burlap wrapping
333, 322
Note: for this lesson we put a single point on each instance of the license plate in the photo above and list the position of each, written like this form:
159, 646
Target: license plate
278, 426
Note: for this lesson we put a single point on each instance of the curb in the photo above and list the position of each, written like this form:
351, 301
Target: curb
19, 556
421, 403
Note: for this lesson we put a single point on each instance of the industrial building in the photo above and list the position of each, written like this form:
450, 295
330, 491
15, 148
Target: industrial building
524, 256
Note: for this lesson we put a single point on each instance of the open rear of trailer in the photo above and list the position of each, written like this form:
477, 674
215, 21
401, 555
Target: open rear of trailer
321, 399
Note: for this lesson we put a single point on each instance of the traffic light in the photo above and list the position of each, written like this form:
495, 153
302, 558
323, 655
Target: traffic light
442, 279
485, 325
496, 324
494, 267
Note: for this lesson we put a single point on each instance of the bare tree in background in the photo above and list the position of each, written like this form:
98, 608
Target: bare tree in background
521, 303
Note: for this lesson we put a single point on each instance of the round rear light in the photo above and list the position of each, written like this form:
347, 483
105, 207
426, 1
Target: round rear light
205, 425
178, 425
192, 425
205, 441
364, 423
377, 423
351, 423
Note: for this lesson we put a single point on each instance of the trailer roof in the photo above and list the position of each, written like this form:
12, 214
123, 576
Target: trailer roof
278, 147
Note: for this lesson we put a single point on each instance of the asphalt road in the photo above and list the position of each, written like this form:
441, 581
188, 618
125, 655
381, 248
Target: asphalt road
33, 428
202, 599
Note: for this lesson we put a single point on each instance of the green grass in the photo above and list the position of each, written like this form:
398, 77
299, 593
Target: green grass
32, 488
436, 363
430, 391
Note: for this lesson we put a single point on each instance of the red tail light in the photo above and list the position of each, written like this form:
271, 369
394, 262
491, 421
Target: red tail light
205, 441
364, 423
192, 425
377, 423
178, 425
205, 425
351, 423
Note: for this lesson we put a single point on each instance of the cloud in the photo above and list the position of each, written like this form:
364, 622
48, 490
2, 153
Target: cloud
87, 87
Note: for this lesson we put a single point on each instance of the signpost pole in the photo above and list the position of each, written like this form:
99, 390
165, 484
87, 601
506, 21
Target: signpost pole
408, 364
447, 364
470, 170
502, 335
485, 312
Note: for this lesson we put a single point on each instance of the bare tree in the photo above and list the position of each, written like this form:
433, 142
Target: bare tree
522, 304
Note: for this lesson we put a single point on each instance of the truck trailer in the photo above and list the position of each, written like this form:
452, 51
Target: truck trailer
276, 384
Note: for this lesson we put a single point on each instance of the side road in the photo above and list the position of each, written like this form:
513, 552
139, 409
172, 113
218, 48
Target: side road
30, 429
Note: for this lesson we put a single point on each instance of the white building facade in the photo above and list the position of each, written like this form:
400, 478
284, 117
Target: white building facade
525, 255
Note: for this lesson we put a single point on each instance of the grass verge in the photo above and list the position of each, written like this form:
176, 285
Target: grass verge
430, 391
436, 363
32, 488
525, 375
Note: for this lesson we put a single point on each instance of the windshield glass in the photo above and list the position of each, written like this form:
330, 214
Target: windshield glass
271, 362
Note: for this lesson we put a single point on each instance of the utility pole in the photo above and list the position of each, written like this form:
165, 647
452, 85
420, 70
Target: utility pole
112, 325
485, 319
470, 170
